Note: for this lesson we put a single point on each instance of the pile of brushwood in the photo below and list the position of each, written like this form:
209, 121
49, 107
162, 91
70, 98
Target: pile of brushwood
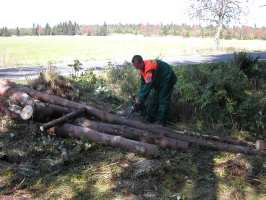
57, 114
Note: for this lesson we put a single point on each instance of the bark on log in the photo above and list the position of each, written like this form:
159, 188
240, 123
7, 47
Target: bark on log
111, 118
116, 141
133, 133
229, 140
219, 139
62, 119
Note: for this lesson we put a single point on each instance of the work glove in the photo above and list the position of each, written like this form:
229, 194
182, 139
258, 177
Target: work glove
138, 106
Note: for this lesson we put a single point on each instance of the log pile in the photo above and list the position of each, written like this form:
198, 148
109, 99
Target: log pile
79, 120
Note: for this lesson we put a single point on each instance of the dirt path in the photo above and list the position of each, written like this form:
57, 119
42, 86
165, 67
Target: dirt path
22, 73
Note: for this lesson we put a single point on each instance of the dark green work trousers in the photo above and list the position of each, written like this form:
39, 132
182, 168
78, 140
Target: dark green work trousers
158, 108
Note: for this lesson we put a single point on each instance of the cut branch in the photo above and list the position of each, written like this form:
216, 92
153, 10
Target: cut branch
62, 119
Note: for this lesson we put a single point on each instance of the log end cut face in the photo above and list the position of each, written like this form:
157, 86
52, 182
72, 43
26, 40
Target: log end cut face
27, 112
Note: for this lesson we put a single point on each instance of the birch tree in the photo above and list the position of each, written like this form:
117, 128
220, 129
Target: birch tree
218, 12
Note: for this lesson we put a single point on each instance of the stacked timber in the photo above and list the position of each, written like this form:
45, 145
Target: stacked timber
79, 120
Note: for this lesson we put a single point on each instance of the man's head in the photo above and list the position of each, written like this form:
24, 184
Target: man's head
138, 62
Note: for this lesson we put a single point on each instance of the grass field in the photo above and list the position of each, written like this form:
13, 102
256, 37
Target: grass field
17, 51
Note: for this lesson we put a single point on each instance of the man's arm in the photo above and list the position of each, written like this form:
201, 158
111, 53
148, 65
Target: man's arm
145, 88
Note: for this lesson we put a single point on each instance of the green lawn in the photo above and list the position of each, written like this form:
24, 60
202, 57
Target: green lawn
17, 51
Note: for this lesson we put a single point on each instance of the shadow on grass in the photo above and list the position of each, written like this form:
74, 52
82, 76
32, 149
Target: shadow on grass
103, 172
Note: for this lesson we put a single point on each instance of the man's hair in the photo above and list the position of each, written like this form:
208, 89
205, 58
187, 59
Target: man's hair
137, 58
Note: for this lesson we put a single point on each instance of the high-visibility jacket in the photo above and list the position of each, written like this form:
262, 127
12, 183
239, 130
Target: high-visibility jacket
155, 74
147, 72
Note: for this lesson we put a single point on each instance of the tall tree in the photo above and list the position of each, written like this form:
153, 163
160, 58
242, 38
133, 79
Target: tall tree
103, 30
33, 30
218, 12
76, 28
47, 29
2, 32
17, 31
6, 32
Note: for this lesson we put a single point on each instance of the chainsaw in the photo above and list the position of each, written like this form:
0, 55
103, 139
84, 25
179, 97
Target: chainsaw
135, 107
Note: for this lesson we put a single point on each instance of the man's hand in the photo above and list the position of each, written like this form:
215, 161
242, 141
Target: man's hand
138, 105
137, 101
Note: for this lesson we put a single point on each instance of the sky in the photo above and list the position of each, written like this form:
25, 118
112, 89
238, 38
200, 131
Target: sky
24, 13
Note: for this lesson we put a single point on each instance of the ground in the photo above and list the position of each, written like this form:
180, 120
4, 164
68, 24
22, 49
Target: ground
42, 166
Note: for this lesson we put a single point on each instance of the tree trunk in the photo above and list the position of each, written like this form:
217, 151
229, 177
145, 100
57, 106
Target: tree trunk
218, 34
98, 137
133, 133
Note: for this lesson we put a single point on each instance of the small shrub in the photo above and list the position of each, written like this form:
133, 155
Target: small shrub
124, 81
87, 80
221, 93
246, 63
76, 66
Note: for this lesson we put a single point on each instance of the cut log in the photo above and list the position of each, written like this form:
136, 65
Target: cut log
62, 119
98, 137
261, 145
39, 111
228, 140
24, 99
111, 118
21, 98
50, 109
133, 133
165, 141
5, 112
6, 86
15, 109
26, 113
219, 139
36, 109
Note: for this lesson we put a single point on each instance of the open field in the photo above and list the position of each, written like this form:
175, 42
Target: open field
18, 51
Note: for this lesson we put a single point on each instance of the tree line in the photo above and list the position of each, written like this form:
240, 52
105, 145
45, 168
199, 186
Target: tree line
73, 28
63, 28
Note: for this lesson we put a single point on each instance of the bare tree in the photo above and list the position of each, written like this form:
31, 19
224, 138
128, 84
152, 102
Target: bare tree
218, 12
